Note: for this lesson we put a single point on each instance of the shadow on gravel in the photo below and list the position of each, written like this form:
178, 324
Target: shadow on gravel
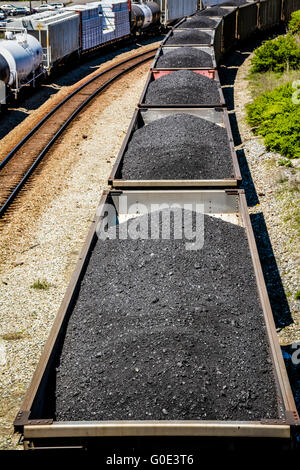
235, 129
10, 120
279, 304
291, 357
247, 181
227, 72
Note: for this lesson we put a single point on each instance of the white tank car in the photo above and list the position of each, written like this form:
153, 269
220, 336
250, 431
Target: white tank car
24, 55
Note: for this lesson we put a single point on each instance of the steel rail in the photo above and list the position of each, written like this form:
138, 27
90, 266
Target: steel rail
144, 56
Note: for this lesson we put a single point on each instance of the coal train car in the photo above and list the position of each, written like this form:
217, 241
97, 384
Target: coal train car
237, 20
156, 345
74, 383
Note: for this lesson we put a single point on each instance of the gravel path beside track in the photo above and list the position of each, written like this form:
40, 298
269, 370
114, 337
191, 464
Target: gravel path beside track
41, 240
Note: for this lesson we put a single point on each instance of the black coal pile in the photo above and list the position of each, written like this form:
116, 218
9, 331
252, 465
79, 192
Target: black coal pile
214, 11
233, 3
164, 333
197, 22
179, 146
183, 87
182, 57
189, 37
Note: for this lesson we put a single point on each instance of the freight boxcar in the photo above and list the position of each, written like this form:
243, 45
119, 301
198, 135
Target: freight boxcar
58, 34
172, 10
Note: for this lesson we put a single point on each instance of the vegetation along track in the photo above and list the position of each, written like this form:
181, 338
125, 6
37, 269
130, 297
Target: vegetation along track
20, 163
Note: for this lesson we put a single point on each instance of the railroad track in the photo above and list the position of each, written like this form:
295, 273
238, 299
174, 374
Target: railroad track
25, 157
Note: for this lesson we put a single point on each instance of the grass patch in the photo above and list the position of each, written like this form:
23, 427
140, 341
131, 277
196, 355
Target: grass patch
270, 163
274, 82
40, 285
290, 203
297, 295
263, 82
285, 162
13, 336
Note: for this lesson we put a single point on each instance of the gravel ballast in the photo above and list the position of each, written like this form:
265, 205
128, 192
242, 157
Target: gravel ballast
197, 22
183, 87
184, 57
188, 37
179, 146
160, 332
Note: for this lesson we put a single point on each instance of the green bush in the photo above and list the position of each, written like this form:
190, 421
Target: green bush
274, 116
294, 24
278, 55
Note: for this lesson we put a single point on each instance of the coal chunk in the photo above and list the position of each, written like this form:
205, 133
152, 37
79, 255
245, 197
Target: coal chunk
182, 57
183, 87
179, 146
189, 37
142, 344
197, 22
